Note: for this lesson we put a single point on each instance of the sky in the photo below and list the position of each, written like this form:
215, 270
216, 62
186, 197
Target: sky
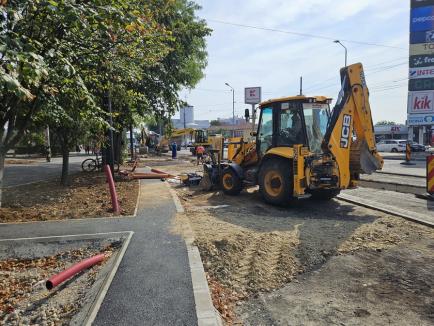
275, 60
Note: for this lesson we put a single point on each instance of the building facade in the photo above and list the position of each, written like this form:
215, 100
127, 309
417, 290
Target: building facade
186, 120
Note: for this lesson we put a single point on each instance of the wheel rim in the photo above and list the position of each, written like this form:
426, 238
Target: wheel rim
273, 183
228, 182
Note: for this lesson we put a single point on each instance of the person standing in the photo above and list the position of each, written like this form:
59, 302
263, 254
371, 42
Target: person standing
200, 150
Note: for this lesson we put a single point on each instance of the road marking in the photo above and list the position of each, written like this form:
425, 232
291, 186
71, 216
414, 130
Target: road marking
101, 295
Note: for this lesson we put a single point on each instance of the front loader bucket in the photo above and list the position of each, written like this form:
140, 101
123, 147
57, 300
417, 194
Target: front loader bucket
364, 161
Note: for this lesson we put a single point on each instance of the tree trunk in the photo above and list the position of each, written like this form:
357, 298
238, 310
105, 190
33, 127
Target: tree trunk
2, 168
64, 180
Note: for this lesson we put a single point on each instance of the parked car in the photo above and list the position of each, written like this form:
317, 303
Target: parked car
416, 147
392, 145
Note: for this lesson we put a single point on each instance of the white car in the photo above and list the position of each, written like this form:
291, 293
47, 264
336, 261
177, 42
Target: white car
391, 145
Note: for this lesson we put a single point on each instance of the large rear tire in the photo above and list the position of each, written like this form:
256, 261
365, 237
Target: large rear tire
276, 181
231, 182
324, 194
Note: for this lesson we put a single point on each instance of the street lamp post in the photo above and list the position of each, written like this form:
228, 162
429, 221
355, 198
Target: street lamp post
233, 109
346, 50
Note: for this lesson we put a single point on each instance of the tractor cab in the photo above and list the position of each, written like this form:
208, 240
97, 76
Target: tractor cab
290, 121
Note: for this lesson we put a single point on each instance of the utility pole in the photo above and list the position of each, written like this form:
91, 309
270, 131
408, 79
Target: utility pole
233, 109
301, 86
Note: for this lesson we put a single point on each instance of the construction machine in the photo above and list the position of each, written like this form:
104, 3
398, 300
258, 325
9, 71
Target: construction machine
302, 149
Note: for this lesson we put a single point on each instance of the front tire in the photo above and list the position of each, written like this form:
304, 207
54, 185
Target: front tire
231, 182
324, 194
394, 150
89, 165
276, 181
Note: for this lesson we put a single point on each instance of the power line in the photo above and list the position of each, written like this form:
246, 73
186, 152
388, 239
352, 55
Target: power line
304, 34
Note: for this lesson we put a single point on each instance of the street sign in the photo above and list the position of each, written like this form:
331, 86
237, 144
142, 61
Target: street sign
252, 95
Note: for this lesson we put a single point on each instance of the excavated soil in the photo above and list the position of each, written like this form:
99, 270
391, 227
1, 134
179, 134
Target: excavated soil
88, 196
311, 263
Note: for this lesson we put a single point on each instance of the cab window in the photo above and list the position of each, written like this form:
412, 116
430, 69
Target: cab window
290, 131
265, 135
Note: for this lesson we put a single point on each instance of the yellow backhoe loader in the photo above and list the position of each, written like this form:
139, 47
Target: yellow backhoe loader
302, 149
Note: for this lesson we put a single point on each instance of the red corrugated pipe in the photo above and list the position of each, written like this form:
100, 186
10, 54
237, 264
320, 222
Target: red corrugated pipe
162, 172
55, 280
114, 196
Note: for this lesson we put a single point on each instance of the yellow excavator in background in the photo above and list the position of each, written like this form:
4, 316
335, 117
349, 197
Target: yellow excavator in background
302, 149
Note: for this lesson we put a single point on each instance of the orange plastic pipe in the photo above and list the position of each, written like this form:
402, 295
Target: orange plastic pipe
113, 194
55, 280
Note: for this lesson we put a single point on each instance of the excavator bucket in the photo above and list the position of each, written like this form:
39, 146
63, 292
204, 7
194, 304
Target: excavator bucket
362, 160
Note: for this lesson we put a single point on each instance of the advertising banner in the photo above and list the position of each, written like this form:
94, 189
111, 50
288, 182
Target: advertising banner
418, 73
422, 19
421, 102
417, 61
421, 49
421, 3
422, 37
422, 84
420, 119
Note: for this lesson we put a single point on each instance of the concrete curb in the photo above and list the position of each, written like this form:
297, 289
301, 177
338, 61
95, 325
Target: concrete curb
403, 188
402, 174
205, 311
408, 215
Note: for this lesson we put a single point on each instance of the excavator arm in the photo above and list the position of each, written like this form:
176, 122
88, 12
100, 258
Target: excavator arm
350, 138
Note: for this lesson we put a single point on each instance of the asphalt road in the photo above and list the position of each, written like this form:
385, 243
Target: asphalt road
19, 174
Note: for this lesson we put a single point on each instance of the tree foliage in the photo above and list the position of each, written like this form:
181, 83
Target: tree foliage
60, 58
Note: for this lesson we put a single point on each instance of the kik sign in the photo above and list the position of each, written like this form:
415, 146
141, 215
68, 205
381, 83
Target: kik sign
420, 102
422, 37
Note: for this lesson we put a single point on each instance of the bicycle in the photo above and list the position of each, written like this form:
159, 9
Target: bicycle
91, 164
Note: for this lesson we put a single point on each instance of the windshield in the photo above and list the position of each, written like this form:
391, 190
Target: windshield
316, 117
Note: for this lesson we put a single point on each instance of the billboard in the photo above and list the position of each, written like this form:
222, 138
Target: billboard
417, 61
421, 49
421, 3
421, 102
422, 19
252, 95
420, 107
420, 119
422, 37
421, 84
417, 73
